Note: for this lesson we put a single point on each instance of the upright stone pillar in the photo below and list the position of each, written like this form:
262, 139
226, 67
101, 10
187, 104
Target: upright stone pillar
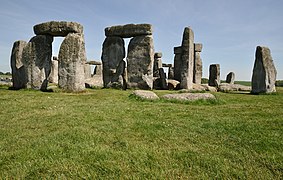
187, 69
157, 64
171, 72
197, 64
230, 78
37, 60
140, 62
87, 70
178, 63
17, 66
72, 58
97, 70
113, 53
264, 72
214, 75
53, 77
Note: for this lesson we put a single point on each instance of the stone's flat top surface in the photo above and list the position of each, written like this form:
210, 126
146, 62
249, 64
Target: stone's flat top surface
57, 28
145, 94
189, 96
93, 62
198, 47
129, 30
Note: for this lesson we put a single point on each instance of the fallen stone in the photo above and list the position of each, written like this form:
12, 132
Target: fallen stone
225, 87
129, 30
173, 84
209, 88
264, 72
58, 28
189, 96
149, 95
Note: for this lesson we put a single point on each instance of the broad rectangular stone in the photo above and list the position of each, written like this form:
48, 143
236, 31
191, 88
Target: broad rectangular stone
129, 30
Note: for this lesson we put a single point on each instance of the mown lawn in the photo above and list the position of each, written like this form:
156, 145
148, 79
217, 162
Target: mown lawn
104, 134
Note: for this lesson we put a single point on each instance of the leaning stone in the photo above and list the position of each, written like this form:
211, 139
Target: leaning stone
37, 61
214, 75
113, 53
149, 95
189, 96
18, 70
230, 78
72, 58
264, 72
140, 62
58, 28
129, 30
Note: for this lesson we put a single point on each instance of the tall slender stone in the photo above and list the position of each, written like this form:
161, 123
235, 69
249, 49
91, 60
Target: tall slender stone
264, 72
214, 75
72, 57
113, 53
140, 62
197, 64
37, 60
17, 66
171, 73
53, 77
177, 62
157, 64
187, 68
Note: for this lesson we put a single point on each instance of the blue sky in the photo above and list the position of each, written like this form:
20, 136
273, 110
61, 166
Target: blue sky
230, 30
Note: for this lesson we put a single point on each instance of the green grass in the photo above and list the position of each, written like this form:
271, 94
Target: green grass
105, 134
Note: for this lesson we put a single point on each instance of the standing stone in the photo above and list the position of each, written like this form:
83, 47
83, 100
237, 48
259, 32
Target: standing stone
87, 70
230, 78
264, 72
113, 53
140, 62
197, 64
157, 64
187, 69
72, 57
178, 63
214, 75
53, 77
37, 60
17, 66
171, 72
163, 79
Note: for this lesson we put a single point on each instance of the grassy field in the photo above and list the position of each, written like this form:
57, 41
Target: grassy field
104, 134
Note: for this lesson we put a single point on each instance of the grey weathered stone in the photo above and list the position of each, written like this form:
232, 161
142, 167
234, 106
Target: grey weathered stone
98, 70
149, 95
37, 61
87, 70
189, 96
214, 75
173, 84
58, 28
163, 81
230, 78
113, 53
187, 67
72, 58
18, 70
209, 88
264, 72
157, 64
178, 63
53, 77
140, 62
197, 68
225, 87
93, 62
94, 81
129, 30
171, 73
198, 47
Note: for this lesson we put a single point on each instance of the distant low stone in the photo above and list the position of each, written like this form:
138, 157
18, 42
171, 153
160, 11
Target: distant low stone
57, 28
225, 87
189, 96
145, 94
129, 30
264, 72
230, 78
209, 88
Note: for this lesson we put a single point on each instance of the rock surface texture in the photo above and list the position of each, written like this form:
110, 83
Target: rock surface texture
18, 70
149, 95
189, 96
72, 57
197, 64
129, 30
58, 28
214, 75
264, 72
140, 62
